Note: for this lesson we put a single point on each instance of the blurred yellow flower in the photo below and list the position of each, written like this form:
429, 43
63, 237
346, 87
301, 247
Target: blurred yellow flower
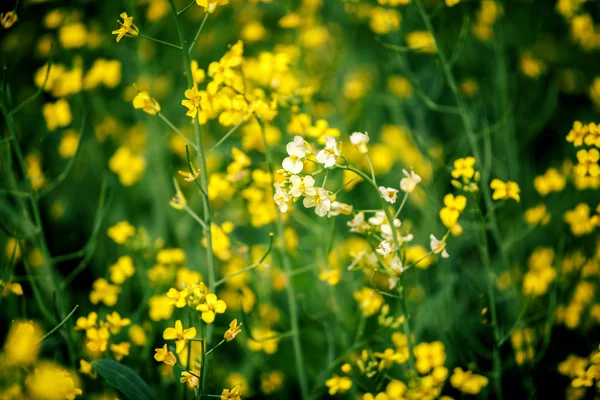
127, 28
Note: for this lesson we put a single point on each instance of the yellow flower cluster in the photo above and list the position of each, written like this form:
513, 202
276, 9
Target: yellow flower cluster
128, 165
524, 345
486, 17
550, 181
583, 372
581, 220
464, 174
468, 382
572, 314
540, 274
98, 334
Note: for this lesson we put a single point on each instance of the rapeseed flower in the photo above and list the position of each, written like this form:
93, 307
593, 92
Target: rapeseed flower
180, 334
128, 28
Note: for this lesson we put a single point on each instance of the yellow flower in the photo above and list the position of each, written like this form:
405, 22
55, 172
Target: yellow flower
421, 41
121, 270
331, 276
580, 221
192, 378
211, 5
233, 394
22, 343
271, 381
178, 201
73, 35
537, 215
68, 145
428, 356
85, 323
144, 102
85, 367
193, 102
128, 165
7, 288
464, 168
399, 86
368, 300
588, 163
127, 28
160, 308
182, 335
264, 340
454, 206
467, 381
120, 350
57, 115
121, 232
505, 190
338, 384
104, 292
116, 323
97, 339
389, 357
165, 356
178, 298
452, 3
211, 307
233, 331
50, 381
9, 19
137, 334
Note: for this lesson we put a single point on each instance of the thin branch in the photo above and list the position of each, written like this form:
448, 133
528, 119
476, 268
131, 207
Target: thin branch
40, 89
57, 327
198, 33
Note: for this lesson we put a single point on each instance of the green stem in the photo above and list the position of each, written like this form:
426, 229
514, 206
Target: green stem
224, 138
57, 327
198, 33
159, 41
250, 267
177, 130
291, 296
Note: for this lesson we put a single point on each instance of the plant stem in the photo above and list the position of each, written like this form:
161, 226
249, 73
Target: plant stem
159, 41
198, 34
291, 297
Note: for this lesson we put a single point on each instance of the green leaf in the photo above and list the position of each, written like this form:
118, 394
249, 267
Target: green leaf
124, 379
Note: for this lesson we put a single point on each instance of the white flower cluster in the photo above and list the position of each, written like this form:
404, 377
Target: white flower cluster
297, 186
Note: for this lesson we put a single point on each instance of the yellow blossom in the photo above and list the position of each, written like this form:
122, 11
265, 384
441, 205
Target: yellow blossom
120, 350
68, 144
165, 356
85, 367
121, 232
181, 335
233, 331
211, 5
467, 381
127, 28
104, 292
121, 270
233, 394
116, 323
368, 300
338, 384
8, 19
52, 382
505, 190
192, 378
211, 307
21, 346
144, 102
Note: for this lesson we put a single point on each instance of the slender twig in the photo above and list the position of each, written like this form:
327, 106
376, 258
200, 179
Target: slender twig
160, 41
40, 89
166, 120
198, 34
57, 327
186, 8
224, 138
250, 267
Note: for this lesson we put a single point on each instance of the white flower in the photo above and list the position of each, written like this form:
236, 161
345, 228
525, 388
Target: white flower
389, 194
296, 151
320, 201
385, 248
360, 140
338, 208
392, 282
409, 237
281, 198
302, 186
329, 153
358, 223
438, 246
378, 219
396, 265
409, 183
